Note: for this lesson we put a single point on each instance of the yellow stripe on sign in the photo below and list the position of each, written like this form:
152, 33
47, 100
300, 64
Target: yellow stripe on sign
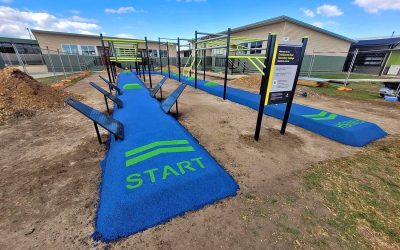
271, 73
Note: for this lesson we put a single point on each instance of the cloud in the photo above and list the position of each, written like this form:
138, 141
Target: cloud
324, 24
124, 35
123, 10
308, 12
329, 10
13, 23
374, 6
6, 1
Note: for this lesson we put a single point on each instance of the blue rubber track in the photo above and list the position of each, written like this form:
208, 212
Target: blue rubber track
343, 129
157, 172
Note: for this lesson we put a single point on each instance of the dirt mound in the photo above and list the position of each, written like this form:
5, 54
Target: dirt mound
21, 95
249, 82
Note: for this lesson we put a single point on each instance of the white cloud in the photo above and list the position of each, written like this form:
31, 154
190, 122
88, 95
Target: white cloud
329, 10
13, 23
124, 35
324, 24
123, 10
374, 6
6, 1
308, 12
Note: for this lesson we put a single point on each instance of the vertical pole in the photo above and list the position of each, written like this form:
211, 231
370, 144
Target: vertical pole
179, 60
144, 75
195, 60
105, 99
159, 53
51, 63
103, 48
204, 61
228, 42
62, 64
116, 61
110, 63
353, 60
296, 78
70, 64
169, 69
148, 61
98, 133
267, 72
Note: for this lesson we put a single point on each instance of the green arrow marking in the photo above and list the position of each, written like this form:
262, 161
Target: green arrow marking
330, 117
321, 116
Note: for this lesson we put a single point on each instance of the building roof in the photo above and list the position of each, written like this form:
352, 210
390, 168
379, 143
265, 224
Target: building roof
378, 41
292, 20
78, 35
17, 40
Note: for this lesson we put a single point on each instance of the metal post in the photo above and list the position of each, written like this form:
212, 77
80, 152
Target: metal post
62, 64
98, 133
105, 99
148, 61
296, 78
70, 64
159, 52
169, 69
19, 58
267, 71
179, 60
51, 64
195, 60
144, 75
116, 61
204, 62
353, 60
105, 56
228, 42
311, 64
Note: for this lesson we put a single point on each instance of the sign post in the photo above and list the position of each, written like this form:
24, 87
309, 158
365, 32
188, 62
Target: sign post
281, 73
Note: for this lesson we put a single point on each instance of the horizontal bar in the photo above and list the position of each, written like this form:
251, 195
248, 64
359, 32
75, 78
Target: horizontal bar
247, 49
212, 39
208, 34
216, 47
122, 40
245, 56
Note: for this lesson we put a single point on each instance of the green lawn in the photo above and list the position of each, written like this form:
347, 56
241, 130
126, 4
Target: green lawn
363, 194
361, 90
344, 76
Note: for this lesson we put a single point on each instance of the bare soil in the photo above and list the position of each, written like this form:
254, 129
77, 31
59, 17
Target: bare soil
50, 166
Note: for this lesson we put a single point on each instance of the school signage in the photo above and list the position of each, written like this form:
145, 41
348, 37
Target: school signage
280, 75
284, 72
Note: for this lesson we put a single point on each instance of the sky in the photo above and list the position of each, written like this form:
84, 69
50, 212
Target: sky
173, 18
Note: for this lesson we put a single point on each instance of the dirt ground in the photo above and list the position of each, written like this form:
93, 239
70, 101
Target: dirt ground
50, 175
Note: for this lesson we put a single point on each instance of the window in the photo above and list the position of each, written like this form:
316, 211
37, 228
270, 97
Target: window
6, 48
255, 45
187, 53
88, 50
153, 53
70, 49
242, 46
163, 53
218, 52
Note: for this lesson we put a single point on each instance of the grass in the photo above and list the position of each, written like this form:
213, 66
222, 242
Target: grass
363, 193
361, 91
51, 79
352, 76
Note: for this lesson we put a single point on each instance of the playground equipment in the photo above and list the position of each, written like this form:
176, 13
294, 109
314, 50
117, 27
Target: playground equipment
173, 99
112, 86
125, 51
234, 50
108, 95
158, 87
179, 45
111, 125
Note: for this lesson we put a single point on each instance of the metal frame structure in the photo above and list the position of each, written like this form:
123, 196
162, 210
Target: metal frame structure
179, 46
231, 44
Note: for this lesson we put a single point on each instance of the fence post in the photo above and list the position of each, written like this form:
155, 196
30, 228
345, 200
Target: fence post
62, 64
353, 60
70, 64
51, 64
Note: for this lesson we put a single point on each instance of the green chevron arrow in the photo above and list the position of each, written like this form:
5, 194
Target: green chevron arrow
321, 116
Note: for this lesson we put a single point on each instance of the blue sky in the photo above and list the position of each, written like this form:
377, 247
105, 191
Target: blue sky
172, 18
